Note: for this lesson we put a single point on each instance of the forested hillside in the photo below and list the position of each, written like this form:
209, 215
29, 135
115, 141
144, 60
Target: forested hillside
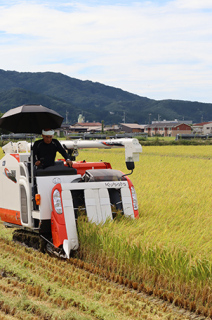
95, 100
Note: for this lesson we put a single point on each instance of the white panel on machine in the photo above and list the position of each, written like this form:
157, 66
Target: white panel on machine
92, 204
127, 202
72, 242
98, 206
105, 204
9, 175
25, 195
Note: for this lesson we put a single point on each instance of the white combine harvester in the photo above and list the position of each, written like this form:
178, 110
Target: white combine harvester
43, 204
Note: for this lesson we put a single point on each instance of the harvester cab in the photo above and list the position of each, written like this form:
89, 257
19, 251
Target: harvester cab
43, 205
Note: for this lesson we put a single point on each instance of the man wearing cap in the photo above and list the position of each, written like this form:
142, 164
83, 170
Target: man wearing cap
44, 151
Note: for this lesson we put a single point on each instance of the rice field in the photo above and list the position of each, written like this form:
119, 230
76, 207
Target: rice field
174, 190
170, 246
167, 252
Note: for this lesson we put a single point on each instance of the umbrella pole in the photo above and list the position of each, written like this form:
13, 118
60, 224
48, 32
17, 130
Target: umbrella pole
31, 158
33, 184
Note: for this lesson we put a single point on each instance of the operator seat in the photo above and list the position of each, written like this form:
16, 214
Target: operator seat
57, 170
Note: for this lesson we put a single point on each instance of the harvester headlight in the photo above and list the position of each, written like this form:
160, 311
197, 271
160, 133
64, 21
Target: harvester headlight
57, 202
134, 198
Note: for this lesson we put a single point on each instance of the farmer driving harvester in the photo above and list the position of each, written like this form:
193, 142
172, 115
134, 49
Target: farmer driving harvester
44, 150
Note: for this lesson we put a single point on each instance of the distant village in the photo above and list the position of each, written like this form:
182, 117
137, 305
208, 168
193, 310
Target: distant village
155, 128
85, 129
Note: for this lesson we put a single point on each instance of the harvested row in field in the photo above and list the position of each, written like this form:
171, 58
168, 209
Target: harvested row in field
43, 287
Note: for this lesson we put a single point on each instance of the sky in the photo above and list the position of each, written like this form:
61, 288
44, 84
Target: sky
156, 49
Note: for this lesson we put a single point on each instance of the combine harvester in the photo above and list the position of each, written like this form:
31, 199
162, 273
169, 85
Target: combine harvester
43, 204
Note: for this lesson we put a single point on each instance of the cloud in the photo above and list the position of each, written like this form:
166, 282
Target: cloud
194, 4
159, 51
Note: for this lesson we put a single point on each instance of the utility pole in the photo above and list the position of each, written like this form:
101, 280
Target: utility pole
150, 118
67, 116
124, 117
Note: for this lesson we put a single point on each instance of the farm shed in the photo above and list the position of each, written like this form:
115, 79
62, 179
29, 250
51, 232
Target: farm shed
132, 127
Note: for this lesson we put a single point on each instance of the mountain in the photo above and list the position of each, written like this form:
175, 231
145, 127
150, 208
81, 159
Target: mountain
95, 100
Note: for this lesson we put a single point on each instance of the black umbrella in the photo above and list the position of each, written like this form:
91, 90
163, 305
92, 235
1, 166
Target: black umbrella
30, 119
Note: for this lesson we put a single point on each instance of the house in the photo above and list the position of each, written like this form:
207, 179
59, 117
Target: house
78, 129
167, 129
114, 128
63, 130
202, 128
86, 127
132, 127
88, 124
